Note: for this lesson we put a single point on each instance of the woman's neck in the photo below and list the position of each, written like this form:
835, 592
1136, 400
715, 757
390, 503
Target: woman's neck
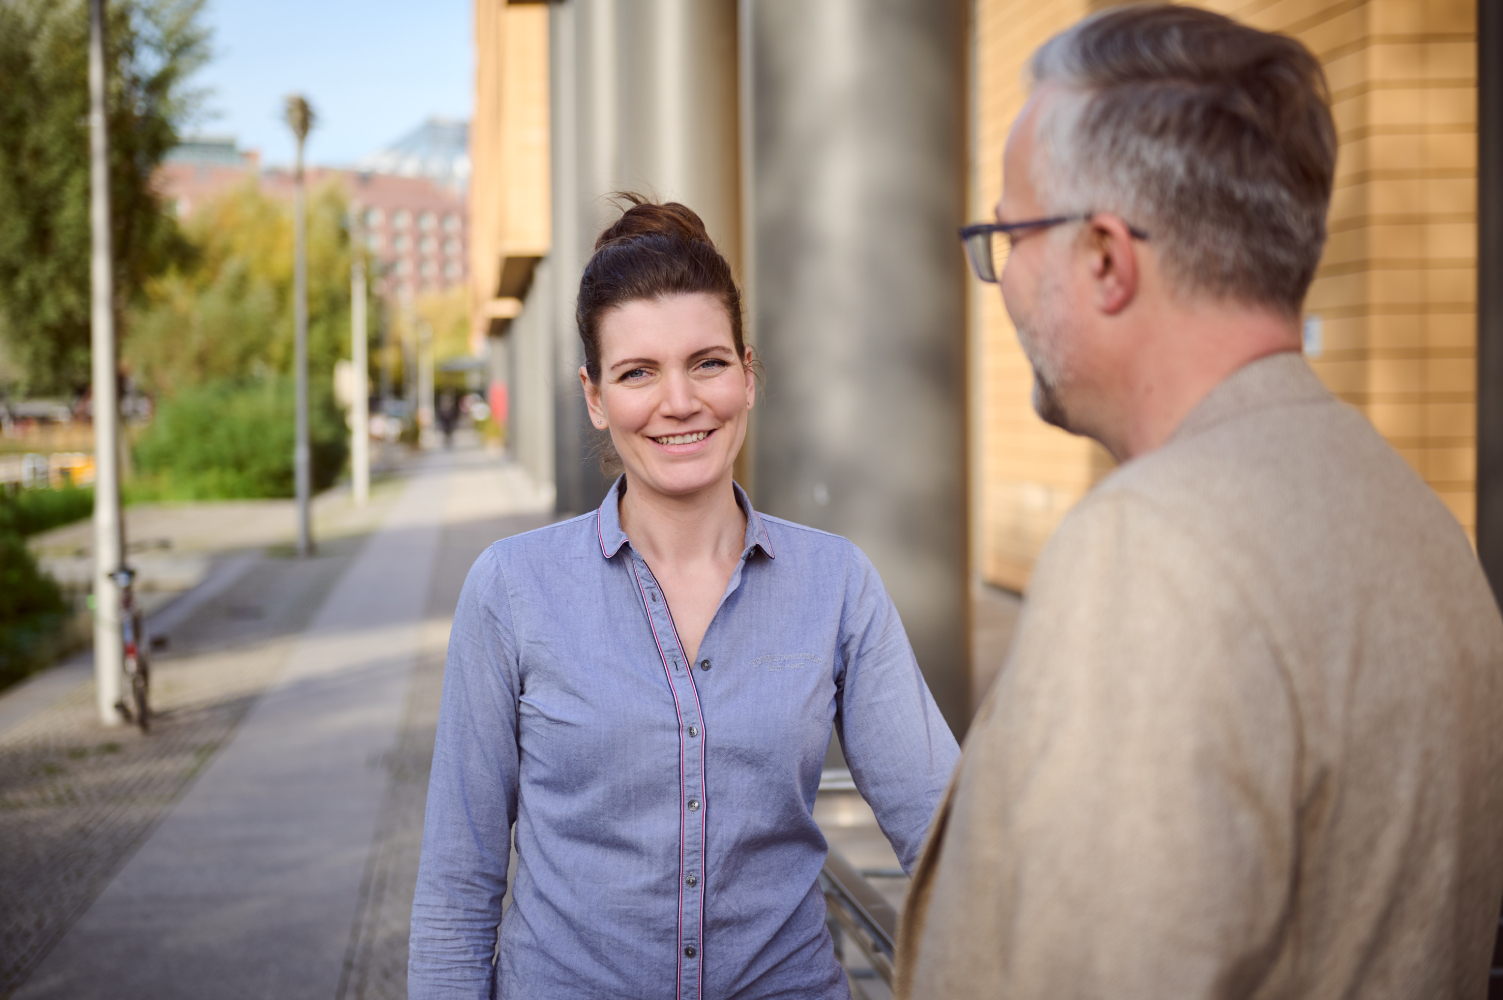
680, 530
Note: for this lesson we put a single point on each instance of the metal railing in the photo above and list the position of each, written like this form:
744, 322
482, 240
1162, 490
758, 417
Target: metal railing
859, 915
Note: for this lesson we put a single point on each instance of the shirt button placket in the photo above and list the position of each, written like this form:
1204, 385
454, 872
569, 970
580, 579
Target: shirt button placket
691, 795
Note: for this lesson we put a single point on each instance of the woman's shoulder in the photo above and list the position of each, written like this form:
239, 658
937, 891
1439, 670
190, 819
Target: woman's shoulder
542, 547
795, 542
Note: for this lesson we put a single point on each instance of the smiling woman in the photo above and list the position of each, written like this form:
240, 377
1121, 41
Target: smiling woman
663, 810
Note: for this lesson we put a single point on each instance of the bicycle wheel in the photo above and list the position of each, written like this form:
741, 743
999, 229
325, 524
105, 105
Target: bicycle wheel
138, 686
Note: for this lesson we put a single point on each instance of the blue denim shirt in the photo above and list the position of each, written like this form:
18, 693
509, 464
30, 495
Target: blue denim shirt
666, 845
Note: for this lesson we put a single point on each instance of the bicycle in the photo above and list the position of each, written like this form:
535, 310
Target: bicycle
137, 648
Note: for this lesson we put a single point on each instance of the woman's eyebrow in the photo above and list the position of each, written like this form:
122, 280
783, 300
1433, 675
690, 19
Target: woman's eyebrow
634, 362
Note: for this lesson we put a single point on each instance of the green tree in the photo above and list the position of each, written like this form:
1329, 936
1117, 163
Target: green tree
226, 314
153, 48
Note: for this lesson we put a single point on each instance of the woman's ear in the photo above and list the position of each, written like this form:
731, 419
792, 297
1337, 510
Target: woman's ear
749, 369
593, 401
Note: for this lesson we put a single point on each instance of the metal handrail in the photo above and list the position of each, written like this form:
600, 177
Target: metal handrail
860, 912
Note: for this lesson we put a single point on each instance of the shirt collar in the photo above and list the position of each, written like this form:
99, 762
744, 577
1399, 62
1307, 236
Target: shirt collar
608, 522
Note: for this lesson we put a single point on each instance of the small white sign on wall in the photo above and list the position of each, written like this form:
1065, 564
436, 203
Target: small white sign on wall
1314, 336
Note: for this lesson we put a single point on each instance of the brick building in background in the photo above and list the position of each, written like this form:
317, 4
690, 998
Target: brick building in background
411, 199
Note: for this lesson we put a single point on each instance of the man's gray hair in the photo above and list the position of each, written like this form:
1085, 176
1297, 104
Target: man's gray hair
1214, 137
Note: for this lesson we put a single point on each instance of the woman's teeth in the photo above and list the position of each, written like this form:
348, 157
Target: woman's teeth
683, 438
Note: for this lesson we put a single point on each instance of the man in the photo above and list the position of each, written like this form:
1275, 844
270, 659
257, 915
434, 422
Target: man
1248, 741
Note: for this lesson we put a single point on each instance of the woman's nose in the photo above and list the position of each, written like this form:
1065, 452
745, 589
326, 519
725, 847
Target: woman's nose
679, 397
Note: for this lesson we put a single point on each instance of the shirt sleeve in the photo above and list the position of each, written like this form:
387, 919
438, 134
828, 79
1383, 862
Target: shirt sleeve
472, 799
1124, 823
899, 748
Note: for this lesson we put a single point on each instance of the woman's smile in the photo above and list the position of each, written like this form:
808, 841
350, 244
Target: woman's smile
684, 442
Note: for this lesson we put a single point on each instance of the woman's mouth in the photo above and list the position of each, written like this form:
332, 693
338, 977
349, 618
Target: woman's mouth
692, 437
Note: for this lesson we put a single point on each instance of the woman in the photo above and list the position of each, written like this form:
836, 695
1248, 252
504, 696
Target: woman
647, 691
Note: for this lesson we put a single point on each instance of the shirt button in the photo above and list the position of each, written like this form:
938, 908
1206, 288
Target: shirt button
704, 664
689, 952
692, 880
694, 805
693, 731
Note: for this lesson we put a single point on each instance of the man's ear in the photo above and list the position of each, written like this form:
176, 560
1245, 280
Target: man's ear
592, 399
1114, 263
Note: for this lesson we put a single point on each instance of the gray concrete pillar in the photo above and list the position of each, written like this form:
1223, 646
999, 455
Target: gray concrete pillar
531, 347
677, 99
857, 157
582, 124
644, 98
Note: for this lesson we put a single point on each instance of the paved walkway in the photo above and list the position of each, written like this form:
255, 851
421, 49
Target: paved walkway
285, 868
262, 841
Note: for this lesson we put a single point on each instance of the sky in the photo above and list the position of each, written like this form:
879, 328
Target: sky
373, 70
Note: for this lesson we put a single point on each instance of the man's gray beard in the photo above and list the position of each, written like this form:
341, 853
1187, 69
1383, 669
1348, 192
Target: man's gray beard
1046, 403
1040, 342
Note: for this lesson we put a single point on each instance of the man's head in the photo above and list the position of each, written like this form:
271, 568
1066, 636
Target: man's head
1213, 139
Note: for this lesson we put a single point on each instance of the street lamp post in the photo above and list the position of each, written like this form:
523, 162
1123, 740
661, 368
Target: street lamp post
360, 435
109, 540
300, 119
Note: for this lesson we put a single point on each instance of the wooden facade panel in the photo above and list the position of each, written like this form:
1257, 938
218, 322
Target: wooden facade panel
1423, 17
1397, 286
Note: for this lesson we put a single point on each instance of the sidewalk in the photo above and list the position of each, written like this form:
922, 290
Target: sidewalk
262, 840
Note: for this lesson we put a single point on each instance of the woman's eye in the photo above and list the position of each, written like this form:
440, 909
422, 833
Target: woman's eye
711, 365
634, 375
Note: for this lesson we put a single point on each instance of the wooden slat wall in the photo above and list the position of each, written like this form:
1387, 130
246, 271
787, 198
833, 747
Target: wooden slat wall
1396, 289
509, 179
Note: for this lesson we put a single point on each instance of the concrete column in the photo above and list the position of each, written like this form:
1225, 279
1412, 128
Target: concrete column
582, 89
857, 187
677, 120
531, 344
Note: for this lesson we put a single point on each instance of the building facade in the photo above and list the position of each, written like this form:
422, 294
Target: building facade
848, 181
415, 223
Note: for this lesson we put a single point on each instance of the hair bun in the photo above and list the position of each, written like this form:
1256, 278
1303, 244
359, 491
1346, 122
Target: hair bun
646, 218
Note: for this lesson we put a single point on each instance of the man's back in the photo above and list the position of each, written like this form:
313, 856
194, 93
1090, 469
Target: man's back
1248, 741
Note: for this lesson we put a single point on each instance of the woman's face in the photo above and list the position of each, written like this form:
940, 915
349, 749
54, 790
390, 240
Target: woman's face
672, 392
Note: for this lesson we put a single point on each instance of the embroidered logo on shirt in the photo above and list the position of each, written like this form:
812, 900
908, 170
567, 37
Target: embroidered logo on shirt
785, 661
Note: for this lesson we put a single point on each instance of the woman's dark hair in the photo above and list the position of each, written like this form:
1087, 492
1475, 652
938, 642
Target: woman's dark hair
651, 252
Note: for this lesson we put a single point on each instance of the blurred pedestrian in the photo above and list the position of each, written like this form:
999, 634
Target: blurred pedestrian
1249, 738
448, 416
648, 691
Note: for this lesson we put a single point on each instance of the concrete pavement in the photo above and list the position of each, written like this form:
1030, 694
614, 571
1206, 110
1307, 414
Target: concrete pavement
263, 840
274, 875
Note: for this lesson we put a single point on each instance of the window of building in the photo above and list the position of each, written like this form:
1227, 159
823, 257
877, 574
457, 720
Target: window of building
451, 271
429, 244
401, 242
375, 241
451, 247
404, 266
374, 217
451, 223
429, 269
401, 218
427, 221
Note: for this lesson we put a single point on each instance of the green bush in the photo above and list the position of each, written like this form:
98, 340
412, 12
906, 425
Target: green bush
233, 440
31, 511
32, 610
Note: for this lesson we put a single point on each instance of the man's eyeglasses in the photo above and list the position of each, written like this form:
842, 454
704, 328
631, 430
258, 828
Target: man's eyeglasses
981, 240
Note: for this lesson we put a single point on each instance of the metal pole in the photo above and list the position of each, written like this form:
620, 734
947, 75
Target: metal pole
425, 380
109, 541
300, 117
360, 405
